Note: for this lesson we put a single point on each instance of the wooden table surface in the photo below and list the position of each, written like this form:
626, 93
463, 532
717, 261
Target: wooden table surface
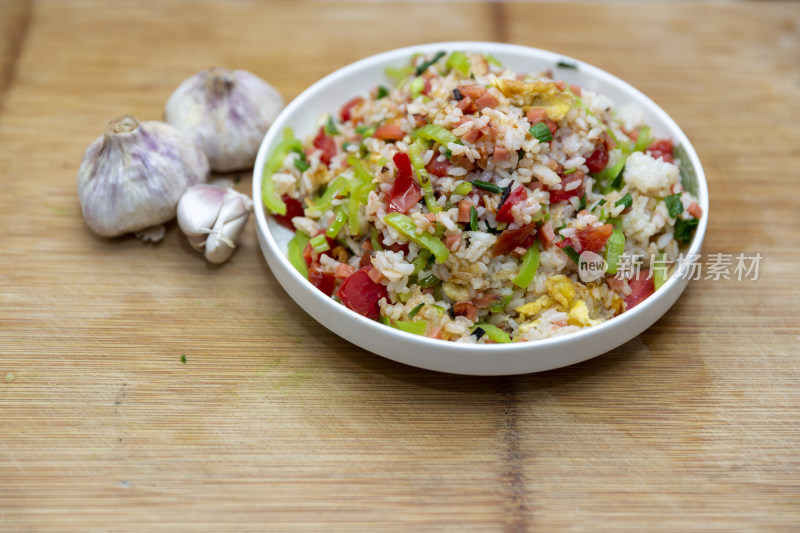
275, 423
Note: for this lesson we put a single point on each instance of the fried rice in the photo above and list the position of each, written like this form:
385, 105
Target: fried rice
470, 203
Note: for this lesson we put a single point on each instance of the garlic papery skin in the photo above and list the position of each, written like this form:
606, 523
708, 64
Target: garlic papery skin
132, 176
213, 218
226, 113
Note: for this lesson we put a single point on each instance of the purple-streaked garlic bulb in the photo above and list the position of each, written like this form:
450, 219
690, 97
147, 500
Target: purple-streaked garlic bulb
226, 113
213, 218
132, 176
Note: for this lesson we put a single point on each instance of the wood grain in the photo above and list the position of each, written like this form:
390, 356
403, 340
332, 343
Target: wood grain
275, 423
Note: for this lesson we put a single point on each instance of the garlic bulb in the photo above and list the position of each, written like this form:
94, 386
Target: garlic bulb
226, 113
213, 218
132, 176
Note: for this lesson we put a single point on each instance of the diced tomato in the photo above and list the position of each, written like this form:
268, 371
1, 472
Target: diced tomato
598, 160
487, 99
345, 112
452, 241
464, 211
405, 192
472, 91
641, 288
512, 238
437, 168
517, 196
466, 309
561, 84
427, 87
293, 209
576, 90
546, 234
593, 238
375, 275
389, 132
662, 148
695, 210
361, 294
467, 105
326, 144
536, 115
343, 271
500, 153
561, 194
324, 281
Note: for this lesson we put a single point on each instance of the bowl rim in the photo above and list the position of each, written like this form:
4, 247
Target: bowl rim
674, 283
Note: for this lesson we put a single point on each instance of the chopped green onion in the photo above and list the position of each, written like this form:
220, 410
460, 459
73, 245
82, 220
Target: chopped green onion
415, 155
458, 61
330, 127
570, 171
398, 74
429, 281
294, 252
644, 140
684, 229
373, 239
688, 174
572, 254
270, 198
492, 60
436, 133
301, 163
417, 327
383, 92
674, 205
365, 131
408, 229
463, 188
421, 261
413, 312
566, 64
486, 186
582, 203
473, 218
425, 64
659, 270
614, 248
541, 132
493, 332
616, 184
320, 244
416, 87
500, 305
626, 200
337, 223
530, 264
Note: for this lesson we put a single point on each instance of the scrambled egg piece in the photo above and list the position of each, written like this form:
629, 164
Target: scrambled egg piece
536, 307
525, 328
560, 289
545, 94
579, 315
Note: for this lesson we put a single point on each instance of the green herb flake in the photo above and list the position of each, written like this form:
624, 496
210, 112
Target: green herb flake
473, 218
330, 127
183, 358
566, 64
582, 204
626, 200
383, 92
570, 171
486, 186
541, 132
674, 205
684, 229
572, 254
425, 64
413, 312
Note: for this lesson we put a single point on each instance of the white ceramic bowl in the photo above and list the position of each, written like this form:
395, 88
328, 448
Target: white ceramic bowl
334, 90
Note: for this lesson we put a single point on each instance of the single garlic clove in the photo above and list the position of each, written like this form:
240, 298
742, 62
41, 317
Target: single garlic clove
213, 218
131, 177
227, 113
